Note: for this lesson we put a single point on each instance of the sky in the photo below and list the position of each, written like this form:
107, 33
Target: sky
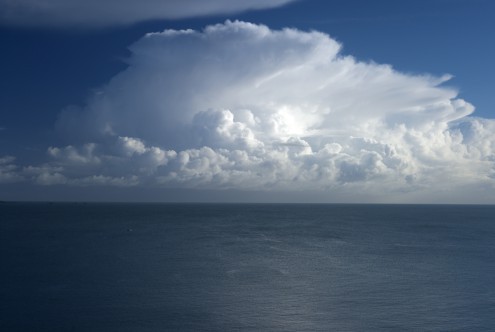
355, 101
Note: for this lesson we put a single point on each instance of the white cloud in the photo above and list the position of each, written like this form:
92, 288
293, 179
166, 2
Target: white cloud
240, 106
9, 170
96, 13
45, 175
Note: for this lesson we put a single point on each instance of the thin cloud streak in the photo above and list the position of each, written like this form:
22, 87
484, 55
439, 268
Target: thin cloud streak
96, 13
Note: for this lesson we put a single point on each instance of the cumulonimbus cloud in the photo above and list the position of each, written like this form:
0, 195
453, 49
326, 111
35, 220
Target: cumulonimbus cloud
97, 13
241, 106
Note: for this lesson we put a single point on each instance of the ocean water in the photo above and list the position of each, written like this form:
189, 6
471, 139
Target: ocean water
244, 267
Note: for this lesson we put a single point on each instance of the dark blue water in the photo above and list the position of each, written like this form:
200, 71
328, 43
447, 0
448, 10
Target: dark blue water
138, 267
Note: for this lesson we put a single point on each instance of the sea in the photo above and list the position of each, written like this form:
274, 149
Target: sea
246, 267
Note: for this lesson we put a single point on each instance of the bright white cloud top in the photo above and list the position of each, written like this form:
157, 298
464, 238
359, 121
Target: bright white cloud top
241, 106
97, 13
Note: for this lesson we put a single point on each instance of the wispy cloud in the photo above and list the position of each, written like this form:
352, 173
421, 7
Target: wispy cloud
96, 13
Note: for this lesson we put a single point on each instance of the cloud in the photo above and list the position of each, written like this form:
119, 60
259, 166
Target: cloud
239, 106
9, 170
95, 13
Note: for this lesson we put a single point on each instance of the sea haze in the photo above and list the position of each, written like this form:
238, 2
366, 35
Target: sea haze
246, 267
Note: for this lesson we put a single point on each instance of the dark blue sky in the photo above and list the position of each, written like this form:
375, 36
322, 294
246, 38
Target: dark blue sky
43, 70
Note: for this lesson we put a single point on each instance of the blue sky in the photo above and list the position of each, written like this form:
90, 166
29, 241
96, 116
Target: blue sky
46, 67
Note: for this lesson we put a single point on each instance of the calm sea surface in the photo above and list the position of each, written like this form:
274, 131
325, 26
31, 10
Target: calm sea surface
194, 267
